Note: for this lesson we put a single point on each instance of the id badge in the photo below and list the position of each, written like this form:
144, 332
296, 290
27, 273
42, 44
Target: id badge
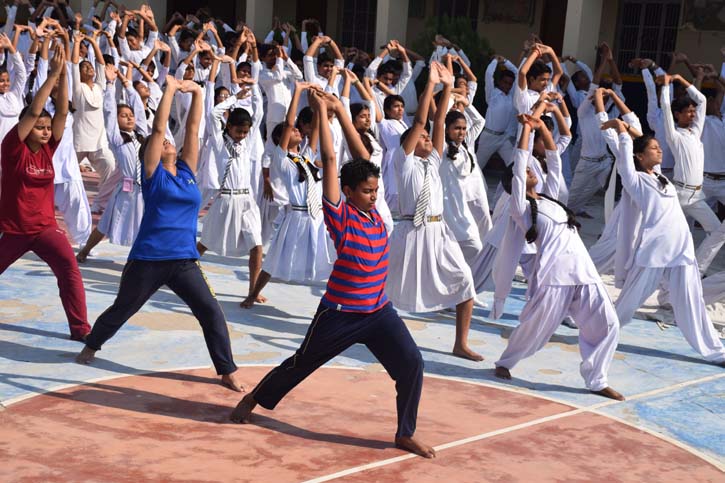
127, 185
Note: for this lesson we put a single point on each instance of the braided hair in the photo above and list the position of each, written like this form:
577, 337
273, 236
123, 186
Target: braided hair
532, 234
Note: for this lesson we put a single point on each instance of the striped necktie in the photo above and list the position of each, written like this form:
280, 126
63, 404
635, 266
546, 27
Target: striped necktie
235, 151
314, 204
136, 146
421, 205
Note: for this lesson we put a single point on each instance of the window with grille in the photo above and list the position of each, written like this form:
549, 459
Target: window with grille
459, 8
647, 29
358, 24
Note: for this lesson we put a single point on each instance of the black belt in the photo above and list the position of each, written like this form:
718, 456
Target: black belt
300, 208
715, 176
596, 160
497, 133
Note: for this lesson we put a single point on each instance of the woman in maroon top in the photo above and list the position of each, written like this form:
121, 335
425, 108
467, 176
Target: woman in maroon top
27, 214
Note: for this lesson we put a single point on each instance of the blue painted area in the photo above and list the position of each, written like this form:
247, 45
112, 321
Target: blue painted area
694, 415
36, 355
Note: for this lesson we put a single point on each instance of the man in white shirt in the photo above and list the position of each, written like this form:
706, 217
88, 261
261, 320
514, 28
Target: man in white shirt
321, 75
501, 122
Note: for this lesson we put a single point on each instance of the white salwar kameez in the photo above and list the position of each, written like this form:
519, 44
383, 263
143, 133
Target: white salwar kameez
565, 283
300, 250
427, 270
661, 249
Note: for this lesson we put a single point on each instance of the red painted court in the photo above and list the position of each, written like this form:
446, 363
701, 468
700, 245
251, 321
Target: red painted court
338, 424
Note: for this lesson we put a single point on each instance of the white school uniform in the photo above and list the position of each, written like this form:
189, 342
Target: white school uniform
122, 218
390, 131
11, 103
406, 75
232, 225
661, 249
565, 283
427, 270
713, 288
501, 122
655, 119
465, 202
376, 157
300, 250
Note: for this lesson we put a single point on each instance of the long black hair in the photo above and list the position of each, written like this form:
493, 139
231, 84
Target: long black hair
453, 148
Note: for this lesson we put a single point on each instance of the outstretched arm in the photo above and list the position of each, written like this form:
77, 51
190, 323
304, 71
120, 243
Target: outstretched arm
330, 184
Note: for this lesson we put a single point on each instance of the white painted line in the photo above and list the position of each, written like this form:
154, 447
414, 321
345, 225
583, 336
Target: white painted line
452, 444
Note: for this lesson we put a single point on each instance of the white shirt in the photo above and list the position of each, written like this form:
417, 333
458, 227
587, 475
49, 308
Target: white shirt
593, 144
501, 114
278, 83
311, 75
656, 120
410, 173
88, 126
11, 103
685, 142
713, 142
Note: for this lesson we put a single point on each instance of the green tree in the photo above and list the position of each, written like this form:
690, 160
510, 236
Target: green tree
460, 32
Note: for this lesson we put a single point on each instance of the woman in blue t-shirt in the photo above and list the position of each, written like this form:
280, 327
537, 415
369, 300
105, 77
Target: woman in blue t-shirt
164, 252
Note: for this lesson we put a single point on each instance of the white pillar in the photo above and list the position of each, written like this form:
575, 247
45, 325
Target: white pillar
581, 34
391, 21
259, 16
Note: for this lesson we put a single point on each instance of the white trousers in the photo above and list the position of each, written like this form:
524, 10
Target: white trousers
714, 190
694, 205
591, 308
104, 163
603, 251
589, 177
709, 248
685, 293
71, 200
713, 288
489, 143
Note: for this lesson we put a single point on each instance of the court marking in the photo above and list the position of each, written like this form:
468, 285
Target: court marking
576, 409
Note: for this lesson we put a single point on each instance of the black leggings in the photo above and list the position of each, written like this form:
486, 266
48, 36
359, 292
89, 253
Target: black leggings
142, 278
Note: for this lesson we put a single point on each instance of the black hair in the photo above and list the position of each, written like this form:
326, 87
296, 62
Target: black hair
356, 108
388, 103
243, 64
239, 117
186, 34
277, 133
459, 77
43, 113
264, 49
357, 171
507, 73
108, 59
132, 32
678, 105
219, 90
538, 68
579, 76
638, 146
407, 132
324, 57
549, 123
388, 68
531, 233
305, 116
358, 70
453, 149
395, 66
4, 70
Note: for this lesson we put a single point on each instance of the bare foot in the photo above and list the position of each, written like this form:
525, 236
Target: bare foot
81, 257
86, 356
502, 373
408, 443
610, 393
261, 299
243, 411
247, 303
232, 381
467, 353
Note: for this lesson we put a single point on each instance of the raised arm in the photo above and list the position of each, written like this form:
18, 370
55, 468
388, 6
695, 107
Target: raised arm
190, 151
524, 70
27, 122
155, 144
330, 183
439, 130
421, 114
289, 122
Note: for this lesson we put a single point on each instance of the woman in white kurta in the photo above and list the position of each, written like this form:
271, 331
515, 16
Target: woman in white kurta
427, 269
661, 248
122, 218
12, 86
232, 226
300, 250
565, 281
465, 202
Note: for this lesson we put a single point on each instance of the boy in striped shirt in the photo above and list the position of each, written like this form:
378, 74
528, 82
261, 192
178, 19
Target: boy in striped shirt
354, 308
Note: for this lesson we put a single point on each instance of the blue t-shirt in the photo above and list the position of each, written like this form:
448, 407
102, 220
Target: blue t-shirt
171, 210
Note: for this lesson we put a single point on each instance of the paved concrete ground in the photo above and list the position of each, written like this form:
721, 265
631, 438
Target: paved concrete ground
340, 424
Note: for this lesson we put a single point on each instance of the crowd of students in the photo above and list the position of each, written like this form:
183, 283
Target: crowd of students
323, 163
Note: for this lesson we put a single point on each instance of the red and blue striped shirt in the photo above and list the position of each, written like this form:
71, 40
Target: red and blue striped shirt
357, 281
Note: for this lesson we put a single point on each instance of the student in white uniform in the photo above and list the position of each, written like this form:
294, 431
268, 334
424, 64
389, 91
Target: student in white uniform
122, 218
365, 117
301, 251
661, 249
391, 127
501, 124
232, 226
465, 202
89, 134
565, 281
427, 269
12, 86
319, 67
